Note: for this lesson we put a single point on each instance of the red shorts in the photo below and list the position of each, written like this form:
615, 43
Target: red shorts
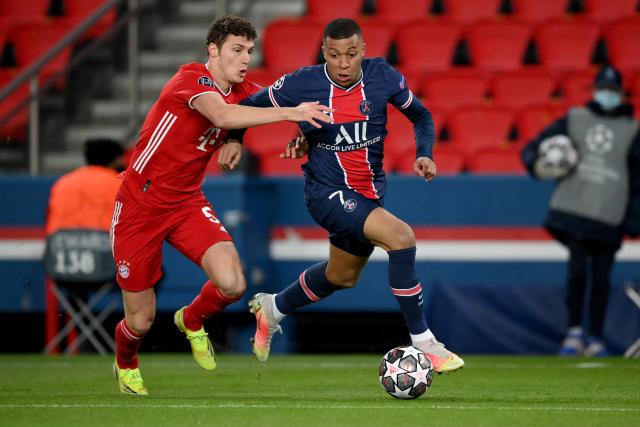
137, 233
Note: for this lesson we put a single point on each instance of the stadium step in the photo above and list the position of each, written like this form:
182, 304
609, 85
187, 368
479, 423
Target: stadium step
59, 162
76, 135
117, 111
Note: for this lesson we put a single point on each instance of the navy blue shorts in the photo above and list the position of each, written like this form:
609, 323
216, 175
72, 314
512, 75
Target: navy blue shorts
343, 214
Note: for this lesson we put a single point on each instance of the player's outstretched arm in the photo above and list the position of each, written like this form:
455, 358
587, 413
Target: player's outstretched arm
425, 167
232, 116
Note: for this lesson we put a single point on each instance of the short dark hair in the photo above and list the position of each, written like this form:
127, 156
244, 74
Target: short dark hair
230, 25
342, 28
102, 151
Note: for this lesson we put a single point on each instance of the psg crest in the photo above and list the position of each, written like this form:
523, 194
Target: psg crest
365, 107
350, 205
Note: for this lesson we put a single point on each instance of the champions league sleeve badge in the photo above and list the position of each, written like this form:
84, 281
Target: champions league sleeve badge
205, 81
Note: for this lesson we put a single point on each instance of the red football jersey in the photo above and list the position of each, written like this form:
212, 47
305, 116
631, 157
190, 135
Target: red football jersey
176, 142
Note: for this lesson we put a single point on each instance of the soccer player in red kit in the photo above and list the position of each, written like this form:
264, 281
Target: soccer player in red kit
161, 199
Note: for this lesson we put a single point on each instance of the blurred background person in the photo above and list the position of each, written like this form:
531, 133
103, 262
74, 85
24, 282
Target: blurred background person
594, 154
84, 198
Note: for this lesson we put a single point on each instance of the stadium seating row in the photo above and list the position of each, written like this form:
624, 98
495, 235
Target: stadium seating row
467, 11
423, 45
449, 160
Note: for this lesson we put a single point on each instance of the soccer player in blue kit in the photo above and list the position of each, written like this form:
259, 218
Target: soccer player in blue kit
345, 183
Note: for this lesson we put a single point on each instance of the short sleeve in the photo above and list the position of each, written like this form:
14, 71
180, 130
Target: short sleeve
285, 92
399, 94
190, 85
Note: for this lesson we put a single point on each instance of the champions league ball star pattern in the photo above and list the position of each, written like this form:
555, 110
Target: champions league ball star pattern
405, 372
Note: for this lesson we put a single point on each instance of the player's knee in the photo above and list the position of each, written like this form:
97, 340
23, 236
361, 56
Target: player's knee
141, 322
233, 285
344, 279
403, 237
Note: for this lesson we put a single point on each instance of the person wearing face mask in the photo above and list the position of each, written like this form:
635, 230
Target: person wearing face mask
595, 203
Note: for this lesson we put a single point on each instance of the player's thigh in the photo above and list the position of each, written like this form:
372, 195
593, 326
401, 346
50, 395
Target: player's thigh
198, 228
202, 238
385, 230
222, 264
136, 239
343, 268
343, 214
139, 309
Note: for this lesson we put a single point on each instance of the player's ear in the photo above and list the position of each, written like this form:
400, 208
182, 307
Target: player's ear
213, 50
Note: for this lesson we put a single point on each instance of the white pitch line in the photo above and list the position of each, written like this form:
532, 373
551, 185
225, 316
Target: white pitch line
314, 406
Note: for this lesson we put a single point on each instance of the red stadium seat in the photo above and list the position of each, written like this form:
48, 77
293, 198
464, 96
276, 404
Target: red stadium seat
534, 119
449, 160
565, 45
31, 41
577, 88
474, 127
517, 89
14, 126
393, 12
608, 10
498, 46
24, 9
324, 11
264, 76
534, 12
635, 86
77, 11
448, 91
488, 161
426, 46
289, 44
377, 37
468, 11
400, 129
272, 165
271, 137
623, 39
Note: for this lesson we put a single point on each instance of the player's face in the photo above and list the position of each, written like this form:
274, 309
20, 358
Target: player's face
344, 59
232, 58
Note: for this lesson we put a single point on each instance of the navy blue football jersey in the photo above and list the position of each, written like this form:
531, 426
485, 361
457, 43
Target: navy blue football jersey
349, 152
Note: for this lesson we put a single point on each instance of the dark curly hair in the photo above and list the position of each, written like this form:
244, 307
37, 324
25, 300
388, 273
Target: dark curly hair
230, 25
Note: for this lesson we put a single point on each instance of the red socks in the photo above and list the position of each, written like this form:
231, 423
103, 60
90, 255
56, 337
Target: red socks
127, 344
209, 302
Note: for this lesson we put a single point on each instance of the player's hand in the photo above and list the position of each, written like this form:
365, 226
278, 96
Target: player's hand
230, 155
296, 148
425, 167
311, 112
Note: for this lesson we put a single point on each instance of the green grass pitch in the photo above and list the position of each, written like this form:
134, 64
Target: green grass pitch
317, 390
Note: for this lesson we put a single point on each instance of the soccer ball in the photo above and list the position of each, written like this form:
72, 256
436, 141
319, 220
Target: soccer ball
405, 372
556, 157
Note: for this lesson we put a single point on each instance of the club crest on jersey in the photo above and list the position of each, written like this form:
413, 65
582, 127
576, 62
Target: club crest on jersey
278, 84
206, 81
350, 205
365, 107
123, 269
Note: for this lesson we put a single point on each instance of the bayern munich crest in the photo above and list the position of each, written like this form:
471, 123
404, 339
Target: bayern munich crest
350, 205
365, 107
123, 269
